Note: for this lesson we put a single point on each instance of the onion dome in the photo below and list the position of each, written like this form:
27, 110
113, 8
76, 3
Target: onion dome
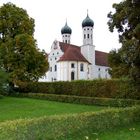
87, 22
66, 29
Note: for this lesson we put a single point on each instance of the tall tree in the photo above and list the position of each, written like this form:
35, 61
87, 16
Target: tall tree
126, 19
19, 55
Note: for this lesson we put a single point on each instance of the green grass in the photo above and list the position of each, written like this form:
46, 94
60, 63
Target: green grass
131, 132
14, 108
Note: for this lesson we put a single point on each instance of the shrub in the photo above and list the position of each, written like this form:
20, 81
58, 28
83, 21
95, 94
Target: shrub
59, 127
94, 88
85, 100
1, 96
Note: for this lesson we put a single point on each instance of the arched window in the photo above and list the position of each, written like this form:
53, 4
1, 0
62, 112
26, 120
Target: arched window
88, 36
55, 68
84, 36
81, 67
50, 69
65, 41
72, 65
72, 75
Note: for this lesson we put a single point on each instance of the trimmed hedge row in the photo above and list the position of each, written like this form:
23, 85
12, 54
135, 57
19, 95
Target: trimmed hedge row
94, 88
85, 100
63, 127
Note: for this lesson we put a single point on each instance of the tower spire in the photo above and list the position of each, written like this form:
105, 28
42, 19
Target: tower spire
66, 21
87, 12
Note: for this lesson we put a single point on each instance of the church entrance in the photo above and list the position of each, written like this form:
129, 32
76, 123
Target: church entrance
72, 75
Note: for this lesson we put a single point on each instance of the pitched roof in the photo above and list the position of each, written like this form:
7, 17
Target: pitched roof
101, 58
71, 53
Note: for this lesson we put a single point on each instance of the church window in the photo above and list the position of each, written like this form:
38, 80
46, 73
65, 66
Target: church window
81, 67
99, 69
87, 28
88, 70
88, 36
84, 36
106, 76
99, 75
91, 36
57, 52
55, 68
72, 65
55, 58
72, 75
50, 69
65, 35
65, 41
53, 53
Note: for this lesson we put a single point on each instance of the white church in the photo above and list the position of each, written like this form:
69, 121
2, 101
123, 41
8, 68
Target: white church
69, 62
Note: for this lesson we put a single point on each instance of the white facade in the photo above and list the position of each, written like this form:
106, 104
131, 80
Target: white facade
71, 70
79, 68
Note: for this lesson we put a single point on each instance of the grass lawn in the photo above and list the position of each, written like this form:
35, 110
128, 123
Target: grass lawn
14, 108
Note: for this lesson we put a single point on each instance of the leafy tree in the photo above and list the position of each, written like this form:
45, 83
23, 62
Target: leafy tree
19, 55
3, 82
126, 19
118, 69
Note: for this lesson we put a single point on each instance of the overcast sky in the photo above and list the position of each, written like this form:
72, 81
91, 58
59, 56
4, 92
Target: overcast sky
50, 16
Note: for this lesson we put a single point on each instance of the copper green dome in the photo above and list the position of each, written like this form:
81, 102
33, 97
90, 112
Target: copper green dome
66, 29
87, 22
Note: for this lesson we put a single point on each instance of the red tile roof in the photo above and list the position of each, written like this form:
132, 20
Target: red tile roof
101, 58
73, 53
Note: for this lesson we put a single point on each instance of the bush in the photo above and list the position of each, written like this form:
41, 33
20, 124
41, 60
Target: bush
1, 96
94, 88
59, 127
85, 100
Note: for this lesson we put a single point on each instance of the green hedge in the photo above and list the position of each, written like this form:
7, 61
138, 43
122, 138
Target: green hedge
85, 100
63, 127
94, 88
1, 96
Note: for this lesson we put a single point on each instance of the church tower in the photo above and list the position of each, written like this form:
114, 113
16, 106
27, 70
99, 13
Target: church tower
66, 33
88, 49
87, 26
